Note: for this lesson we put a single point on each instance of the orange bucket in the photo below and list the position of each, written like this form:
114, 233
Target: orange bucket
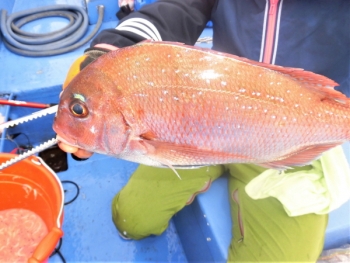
47, 202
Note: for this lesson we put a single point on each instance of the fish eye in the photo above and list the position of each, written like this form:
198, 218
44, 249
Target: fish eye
78, 108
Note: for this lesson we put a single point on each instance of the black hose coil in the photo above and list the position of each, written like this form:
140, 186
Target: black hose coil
47, 44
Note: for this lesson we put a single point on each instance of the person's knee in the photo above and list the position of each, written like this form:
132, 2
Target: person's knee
135, 221
153, 195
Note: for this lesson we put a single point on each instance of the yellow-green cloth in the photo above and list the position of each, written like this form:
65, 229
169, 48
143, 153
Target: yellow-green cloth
318, 188
263, 232
153, 195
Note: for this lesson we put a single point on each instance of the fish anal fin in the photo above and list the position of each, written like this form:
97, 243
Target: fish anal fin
302, 157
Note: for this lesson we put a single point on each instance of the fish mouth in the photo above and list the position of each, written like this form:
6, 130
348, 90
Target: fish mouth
61, 136
61, 139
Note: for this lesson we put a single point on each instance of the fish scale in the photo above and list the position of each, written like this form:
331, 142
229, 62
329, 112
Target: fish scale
202, 131
176, 105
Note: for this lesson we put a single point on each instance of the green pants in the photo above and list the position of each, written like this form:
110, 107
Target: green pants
262, 231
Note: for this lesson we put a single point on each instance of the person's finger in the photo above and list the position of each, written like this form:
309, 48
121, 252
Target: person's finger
82, 154
67, 148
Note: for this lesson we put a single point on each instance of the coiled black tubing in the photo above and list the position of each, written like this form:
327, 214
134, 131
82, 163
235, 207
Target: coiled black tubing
57, 42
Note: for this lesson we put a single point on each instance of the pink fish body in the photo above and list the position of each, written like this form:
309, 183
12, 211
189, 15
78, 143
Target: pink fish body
167, 104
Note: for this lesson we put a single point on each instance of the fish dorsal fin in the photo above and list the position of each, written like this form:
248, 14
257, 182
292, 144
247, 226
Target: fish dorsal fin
302, 157
308, 79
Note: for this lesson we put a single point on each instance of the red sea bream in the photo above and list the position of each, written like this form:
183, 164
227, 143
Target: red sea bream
168, 104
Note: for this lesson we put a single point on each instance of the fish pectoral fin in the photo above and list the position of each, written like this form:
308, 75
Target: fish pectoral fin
274, 165
183, 155
186, 167
148, 136
301, 157
151, 152
143, 148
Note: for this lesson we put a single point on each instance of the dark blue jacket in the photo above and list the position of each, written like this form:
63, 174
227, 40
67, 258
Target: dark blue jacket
309, 34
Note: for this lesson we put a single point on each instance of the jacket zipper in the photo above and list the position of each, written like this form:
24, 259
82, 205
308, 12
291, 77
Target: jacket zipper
270, 31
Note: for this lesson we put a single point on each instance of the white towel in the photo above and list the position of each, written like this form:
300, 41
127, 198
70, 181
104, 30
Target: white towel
320, 188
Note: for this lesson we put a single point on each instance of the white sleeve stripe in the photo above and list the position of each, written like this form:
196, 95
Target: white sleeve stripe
142, 24
136, 31
138, 27
137, 21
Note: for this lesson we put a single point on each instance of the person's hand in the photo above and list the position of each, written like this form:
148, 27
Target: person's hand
80, 153
90, 55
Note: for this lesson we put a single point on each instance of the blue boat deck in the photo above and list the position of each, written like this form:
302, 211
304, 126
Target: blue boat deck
201, 232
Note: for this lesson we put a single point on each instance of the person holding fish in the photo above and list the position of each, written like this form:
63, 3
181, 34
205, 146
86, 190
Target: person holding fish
179, 106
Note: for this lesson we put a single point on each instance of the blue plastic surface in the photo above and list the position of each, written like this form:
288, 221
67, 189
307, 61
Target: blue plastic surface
7, 4
141, 3
201, 232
